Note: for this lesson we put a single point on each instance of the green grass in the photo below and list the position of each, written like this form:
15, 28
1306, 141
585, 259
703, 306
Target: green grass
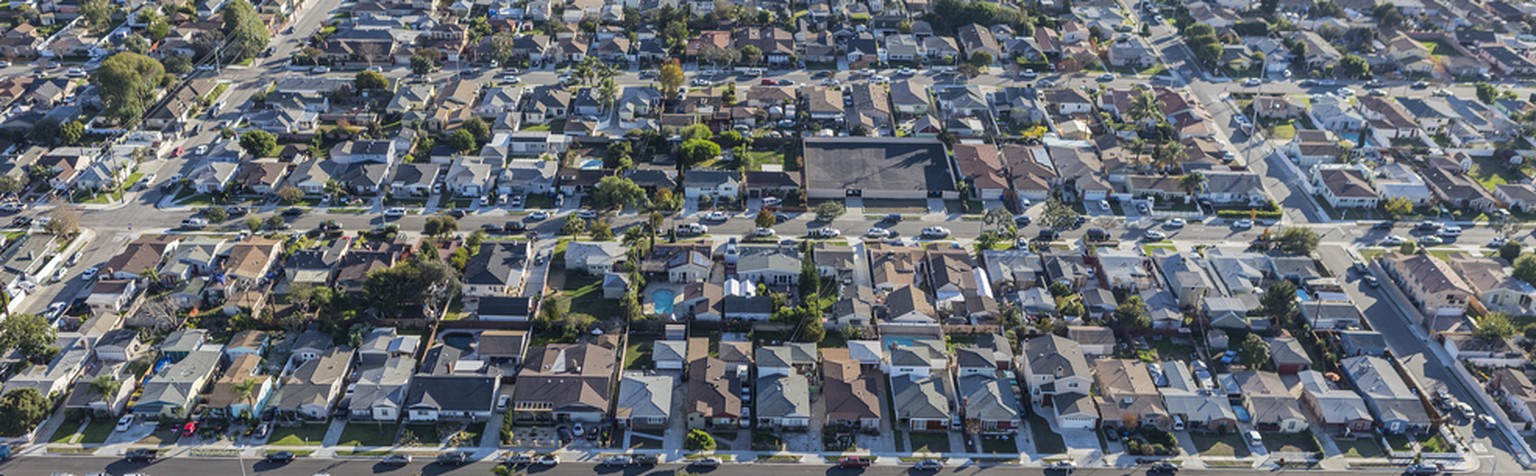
584, 294
302, 435
368, 434
1151, 248
1212, 444
98, 431
554, 125
1438, 47
1360, 448
535, 201
755, 160
999, 446
1046, 441
1399, 443
1300, 442
637, 355
425, 434
928, 442
1491, 173
1282, 132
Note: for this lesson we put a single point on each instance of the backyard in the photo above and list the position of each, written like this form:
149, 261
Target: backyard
584, 294
637, 355
1492, 173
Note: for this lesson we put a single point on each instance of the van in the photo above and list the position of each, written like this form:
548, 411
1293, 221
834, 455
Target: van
194, 223
1255, 439
1097, 234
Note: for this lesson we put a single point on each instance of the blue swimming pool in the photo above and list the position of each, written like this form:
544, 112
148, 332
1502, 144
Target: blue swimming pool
591, 164
663, 299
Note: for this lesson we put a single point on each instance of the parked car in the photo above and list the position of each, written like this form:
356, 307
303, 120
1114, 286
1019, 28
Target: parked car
646, 460
1174, 223
929, 465
716, 216
935, 232
825, 232
1163, 467
399, 459
141, 455
547, 460
853, 462
706, 462
1432, 240
394, 212
124, 423
89, 274
1393, 240
514, 459
772, 201
763, 232
453, 458
262, 430
877, 232
616, 460
1243, 224
1450, 231
281, 456
538, 215
513, 227
1154, 235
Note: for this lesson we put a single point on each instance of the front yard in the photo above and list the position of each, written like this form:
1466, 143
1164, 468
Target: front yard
1301, 442
1215, 444
368, 434
301, 435
1363, 447
919, 442
1046, 440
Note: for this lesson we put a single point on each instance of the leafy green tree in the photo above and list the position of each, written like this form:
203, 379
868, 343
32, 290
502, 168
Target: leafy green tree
671, 77
424, 60
765, 219
1131, 315
699, 440
981, 59
1353, 66
71, 132
216, 214
369, 80
1494, 326
696, 131
477, 128
30, 334
105, 386
617, 155
415, 282
829, 210
573, 226
1487, 93
290, 194
97, 13
247, 35
177, 64
1510, 250
1525, 268
696, 151
1279, 300
615, 191
259, 143
439, 226
21, 410
1058, 215
601, 230
1297, 241
127, 82
10, 184
1397, 206
461, 140
1254, 351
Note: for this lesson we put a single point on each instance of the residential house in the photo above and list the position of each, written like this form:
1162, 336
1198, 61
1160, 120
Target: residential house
228, 396
1339, 411
593, 257
853, 397
314, 388
1345, 186
783, 402
1495, 289
1127, 397
714, 392
119, 345
1396, 406
565, 382
1515, 390
380, 389
1193, 406
1270, 403
644, 401
173, 391
1431, 284
498, 269
1057, 376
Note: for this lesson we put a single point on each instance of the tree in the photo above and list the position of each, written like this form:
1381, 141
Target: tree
1145, 107
617, 155
21, 410
11, 185
424, 60
1131, 315
1486, 93
828, 211
461, 140
440, 226
1254, 351
105, 386
1408, 247
1297, 241
216, 214
259, 143
751, 54
696, 151
717, 56
1510, 250
615, 191
1397, 206
699, 440
97, 13
290, 194
1192, 182
813, 330
1058, 215
243, 27
45, 131
71, 132
127, 82
1352, 66
136, 44
30, 334
1387, 16
64, 221
1494, 326
1525, 268
671, 77
981, 59
1279, 300
765, 218
415, 282
601, 230
369, 80
177, 64
477, 128
696, 131
573, 226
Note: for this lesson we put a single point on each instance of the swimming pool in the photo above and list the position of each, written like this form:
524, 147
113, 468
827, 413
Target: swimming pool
459, 339
663, 299
591, 164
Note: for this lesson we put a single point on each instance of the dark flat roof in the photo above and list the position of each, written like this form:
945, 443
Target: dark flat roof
876, 163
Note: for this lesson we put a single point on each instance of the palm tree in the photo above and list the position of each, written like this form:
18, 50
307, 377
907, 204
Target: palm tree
335, 189
105, 386
1192, 182
1139, 145
1167, 154
245, 388
152, 276
1144, 107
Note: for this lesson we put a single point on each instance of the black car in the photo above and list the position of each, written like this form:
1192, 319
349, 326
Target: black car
1048, 235
453, 458
456, 213
281, 456
237, 211
21, 222
646, 460
1163, 467
141, 454
1421, 470
293, 212
513, 227
893, 218
491, 228
1385, 225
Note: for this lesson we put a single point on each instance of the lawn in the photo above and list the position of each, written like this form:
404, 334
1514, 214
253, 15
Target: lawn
928, 442
302, 435
1046, 441
755, 160
1360, 448
424, 435
1282, 131
998, 445
1302, 442
98, 431
1212, 444
1492, 173
368, 434
1399, 442
584, 294
1151, 248
1438, 47
637, 355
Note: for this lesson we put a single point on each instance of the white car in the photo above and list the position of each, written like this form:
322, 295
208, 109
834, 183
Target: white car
59, 275
538, 215
394, 212
587, 213
1393, 240
878, 233
1450, 231
1104, 204
771, 201
1497, 241
547, 460
1243, 224
716, 216
89, 274
501, 402
124, 423
1253, 82
763, 232
1174, 223
511, 79
321, 69
701, 82
879, 79
935, 232
1154, 235
1432, 240
825, 232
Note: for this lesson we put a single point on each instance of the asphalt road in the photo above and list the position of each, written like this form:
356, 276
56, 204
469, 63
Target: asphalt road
226, 467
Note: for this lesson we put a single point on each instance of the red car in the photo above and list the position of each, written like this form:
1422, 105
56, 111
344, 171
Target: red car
849, 462
177, 153
769, 82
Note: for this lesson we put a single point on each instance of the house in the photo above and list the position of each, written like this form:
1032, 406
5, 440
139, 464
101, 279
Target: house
1339, 411
1515, 391
909, 306
1095, 341
871, 110
982, 169
920, 402
772, 265
852, 396
1361, 342
250, 260
1193, 406
119, 345
909, 98
1127, 397
1345, 186
1336, 114
1056, 374
669, 354
714, 392
310, 345
1320, 53
1324, 313
227, 395
1431, 285
497, 270
712, 183
58, 375
545, 104
838, 167
84, 399
565, 382
450, 388
1396, 406
172, 392
979, 39
528, 177
1456, 190
1519, 197
313, 389
414, 179
783, 402
380, 389
260, 176
644, 401
1132, 52
1483, 352
1234, 188
112, 295
1277, 106
1288, 356
786, 359
594, 257
1271, 406
503, 347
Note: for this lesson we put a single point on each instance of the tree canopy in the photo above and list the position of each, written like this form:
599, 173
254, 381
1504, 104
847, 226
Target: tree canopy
30, 334
127, 82
259, 143
614, 191
21, 410
244, 29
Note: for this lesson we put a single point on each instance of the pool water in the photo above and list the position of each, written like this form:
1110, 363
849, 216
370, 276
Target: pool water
458, 339
591, 164
663, 299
